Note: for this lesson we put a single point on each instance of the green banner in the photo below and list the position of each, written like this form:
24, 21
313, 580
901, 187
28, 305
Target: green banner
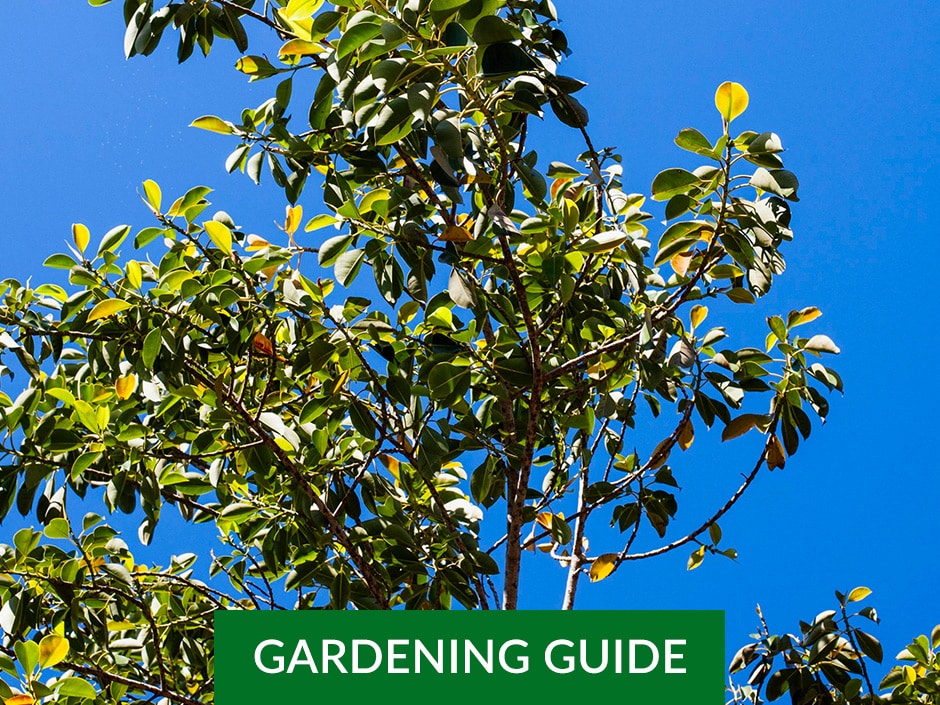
483, 658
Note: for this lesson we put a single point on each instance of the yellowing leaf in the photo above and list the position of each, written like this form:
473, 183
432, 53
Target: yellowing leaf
292, 222
213, 124
455, 233
392, 463
19, 700
603, 566
686, 434
545, 520
262, 345
80, 236
859, 594
134, 274
731, 100
253, 243
219, 234
52, 650
741, 425
251, 65
775, 457
106, 308
300, 9
153, 194
300, 47
695, 560
698, 314
660, 454
114, 626
125, 386
798, 318
680, 263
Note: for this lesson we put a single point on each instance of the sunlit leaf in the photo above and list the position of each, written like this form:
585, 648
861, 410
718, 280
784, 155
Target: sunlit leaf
220, 235
125, 385
213, 124
603, 566
80, 236
858, 594
731, 100
52, 650
106, 308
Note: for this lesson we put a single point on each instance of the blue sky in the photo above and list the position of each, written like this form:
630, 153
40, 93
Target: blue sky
853, 92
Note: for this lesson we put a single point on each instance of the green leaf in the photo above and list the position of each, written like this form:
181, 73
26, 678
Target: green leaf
694, 141
331, 249
106, 308
822, 343
869, 645
347, 265
570, 111
781, 182
58, 528
75, 688
504, 59
446, 5
27, 653
602, 242
151, 347
354, 37
672, 181
59, 261
113, 238
213, 124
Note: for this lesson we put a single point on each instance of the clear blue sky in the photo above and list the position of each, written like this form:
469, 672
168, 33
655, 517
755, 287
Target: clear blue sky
852, 89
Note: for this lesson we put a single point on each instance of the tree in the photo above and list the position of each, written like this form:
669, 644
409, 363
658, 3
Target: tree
499, 335
830, 662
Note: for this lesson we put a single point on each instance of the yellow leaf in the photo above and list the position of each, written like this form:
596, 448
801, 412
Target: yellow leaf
741, 425
695, 560
686, 434
262, 345
213, 124
219, 234
292, 222
798, 318
19, 700
698, 314
910, 675
106, 308
299, 47
680, 263
859, 594
120, 626
731, 100
300, 9
153, 195
125, 386
545, 520
660, 454
249, 65
253, 243
775, 457
52, 650
392, 463
80, 235
455, 233
603, 566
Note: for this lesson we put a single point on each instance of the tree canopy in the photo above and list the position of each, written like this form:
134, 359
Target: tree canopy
457, 333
